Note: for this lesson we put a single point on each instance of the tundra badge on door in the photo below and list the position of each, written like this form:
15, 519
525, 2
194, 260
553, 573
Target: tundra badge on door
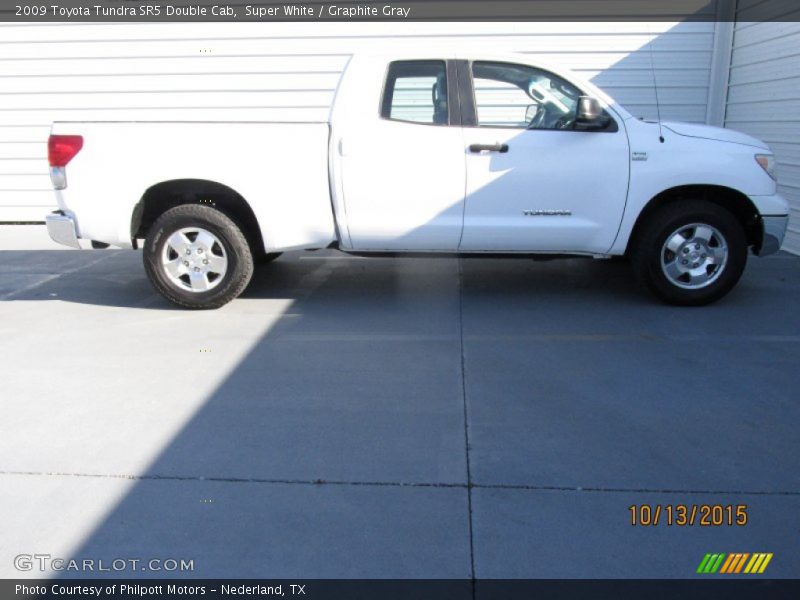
547, 213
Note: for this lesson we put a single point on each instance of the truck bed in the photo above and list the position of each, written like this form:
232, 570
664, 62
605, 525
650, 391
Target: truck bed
281, 168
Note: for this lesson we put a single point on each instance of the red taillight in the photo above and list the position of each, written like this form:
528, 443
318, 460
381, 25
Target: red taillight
62, 148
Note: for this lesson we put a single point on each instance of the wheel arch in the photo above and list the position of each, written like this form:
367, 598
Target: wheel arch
165, 195
734, 201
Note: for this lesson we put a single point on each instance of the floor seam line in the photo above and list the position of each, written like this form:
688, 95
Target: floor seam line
466, 422
399, 484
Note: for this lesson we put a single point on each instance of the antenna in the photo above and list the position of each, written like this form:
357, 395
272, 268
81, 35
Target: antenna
655, 86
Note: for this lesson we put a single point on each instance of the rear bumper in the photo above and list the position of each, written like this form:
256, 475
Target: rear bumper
62, 229
774, 230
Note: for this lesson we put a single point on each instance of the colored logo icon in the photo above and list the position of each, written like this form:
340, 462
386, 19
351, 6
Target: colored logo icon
734, 563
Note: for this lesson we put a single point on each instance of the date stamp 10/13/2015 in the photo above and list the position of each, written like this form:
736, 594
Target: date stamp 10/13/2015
688, 515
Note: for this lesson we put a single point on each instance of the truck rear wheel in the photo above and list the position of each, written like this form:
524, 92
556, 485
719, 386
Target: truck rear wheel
690, 252
197, 257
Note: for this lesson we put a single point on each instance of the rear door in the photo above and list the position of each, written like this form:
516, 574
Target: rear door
403, 164
534, 183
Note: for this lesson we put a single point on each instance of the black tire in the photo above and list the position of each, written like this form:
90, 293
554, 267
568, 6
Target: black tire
648, 252
231, 239
263, 258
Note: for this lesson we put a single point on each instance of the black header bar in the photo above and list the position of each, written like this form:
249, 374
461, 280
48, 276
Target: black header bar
32, 11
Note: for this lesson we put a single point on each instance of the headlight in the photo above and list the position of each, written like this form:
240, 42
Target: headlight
767, 162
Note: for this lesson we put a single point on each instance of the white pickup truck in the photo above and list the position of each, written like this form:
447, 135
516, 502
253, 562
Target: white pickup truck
459, 155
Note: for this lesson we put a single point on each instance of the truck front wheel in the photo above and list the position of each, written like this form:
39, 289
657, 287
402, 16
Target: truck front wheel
197, 257
690, 252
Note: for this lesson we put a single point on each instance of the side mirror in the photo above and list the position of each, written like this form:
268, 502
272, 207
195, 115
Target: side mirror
590, 115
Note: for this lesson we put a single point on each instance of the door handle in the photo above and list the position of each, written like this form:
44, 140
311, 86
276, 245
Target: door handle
476, 148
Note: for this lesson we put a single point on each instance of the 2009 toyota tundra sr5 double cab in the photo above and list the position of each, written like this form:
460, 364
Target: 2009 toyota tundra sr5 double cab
422, 154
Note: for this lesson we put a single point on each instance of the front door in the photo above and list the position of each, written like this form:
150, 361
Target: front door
534, 183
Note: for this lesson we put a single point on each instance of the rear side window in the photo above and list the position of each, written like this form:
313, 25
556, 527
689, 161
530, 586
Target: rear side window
416, 91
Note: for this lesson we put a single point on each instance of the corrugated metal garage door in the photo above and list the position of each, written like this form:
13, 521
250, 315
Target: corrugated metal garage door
288, 71
764, 100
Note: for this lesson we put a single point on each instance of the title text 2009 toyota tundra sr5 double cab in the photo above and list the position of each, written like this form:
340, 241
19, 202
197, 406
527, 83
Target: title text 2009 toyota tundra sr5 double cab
424, 154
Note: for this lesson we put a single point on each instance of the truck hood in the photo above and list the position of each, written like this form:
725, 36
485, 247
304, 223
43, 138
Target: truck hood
713, 133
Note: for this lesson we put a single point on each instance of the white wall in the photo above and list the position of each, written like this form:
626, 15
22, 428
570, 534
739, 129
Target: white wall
288, 71
764, 100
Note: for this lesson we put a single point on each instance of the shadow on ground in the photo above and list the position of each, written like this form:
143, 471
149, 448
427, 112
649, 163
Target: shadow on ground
338, 444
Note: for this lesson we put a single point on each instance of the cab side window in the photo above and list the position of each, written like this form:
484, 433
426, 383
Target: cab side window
416, 92
518, 96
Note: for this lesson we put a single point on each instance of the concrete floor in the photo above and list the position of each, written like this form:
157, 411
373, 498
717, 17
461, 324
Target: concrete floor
425, 418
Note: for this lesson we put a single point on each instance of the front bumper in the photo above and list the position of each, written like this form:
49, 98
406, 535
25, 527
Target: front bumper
62, 229
773, 232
